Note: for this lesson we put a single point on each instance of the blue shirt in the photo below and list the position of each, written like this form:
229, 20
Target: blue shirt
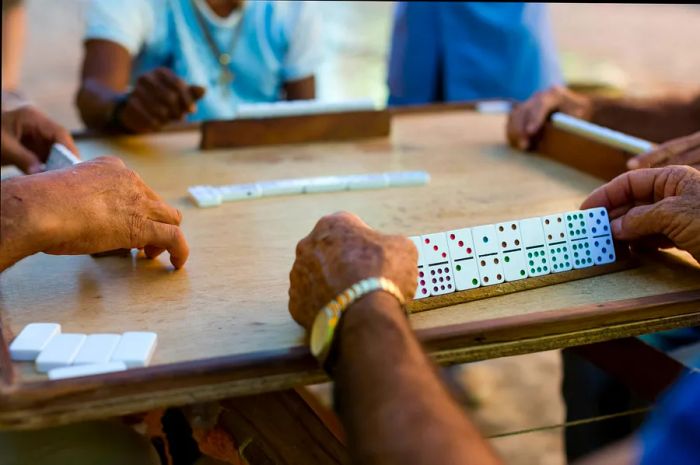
672, 435
278, 42
444, 51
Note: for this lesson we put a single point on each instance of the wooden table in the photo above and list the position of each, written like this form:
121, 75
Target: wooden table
222, 321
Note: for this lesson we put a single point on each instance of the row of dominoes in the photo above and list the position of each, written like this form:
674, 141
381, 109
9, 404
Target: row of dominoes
301, 107
211, 196
67, 355
486, 255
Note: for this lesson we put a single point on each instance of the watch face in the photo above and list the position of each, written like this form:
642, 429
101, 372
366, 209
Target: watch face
322, 331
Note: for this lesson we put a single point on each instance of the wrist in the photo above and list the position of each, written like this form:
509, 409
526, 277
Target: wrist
23, 227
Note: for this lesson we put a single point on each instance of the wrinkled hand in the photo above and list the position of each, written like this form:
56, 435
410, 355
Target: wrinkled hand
340, 251
680, 151
27, 137
527, 119
102, 205
159, 97
653, 202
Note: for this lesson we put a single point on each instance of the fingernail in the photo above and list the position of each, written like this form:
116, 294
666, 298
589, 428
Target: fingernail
632, 164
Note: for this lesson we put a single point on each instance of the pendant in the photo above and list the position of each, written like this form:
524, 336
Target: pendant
227, 77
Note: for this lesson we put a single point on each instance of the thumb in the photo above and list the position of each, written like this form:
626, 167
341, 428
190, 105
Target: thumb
644, 220
197, 92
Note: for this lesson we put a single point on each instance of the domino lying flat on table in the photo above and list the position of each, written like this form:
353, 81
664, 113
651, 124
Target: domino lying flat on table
510, 251
601, 134
211, 196
65, 355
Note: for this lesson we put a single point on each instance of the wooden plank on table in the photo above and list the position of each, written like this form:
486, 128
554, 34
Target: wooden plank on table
279, 130
624, 261
45, 403
586, 155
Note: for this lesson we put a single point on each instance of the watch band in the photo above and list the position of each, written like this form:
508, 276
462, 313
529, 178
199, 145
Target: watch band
326, 322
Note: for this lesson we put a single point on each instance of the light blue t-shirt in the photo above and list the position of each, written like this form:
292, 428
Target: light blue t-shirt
278, 42
454, 51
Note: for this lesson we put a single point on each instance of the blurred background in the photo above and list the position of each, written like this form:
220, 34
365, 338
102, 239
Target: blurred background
609, 48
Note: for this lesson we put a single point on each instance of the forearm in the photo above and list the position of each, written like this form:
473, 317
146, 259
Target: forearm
96, 103
389, 397
657, 120
20, 231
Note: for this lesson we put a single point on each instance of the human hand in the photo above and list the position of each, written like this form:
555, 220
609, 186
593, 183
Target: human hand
653, 202
27, 137
96, 206
159, 97
679, 151
527, 118
340, 251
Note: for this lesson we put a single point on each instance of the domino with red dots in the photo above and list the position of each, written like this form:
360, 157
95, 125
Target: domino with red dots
440, 279
486, 255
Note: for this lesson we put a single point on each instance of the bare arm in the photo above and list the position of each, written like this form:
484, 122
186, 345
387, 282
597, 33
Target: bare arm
393, 406
654, 119
302, 89
104, 79
158, 98
390, 399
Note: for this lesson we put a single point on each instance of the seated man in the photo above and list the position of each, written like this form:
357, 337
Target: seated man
95, 206
148, 62
456, 51
388, 395
673, 122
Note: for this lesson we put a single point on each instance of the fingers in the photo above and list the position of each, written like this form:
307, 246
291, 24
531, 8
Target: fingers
635, 187
680, 151
177, 92
166, 237
164, 213
197, 92
136, 118
13, 152
644, 220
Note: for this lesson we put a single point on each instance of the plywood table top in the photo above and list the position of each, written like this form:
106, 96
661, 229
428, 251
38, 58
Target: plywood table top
226, 311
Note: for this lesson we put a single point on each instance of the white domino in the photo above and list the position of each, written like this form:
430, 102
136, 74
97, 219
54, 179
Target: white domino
601, 134
367, 181
240, 192
494, 106
325, 184
135, 348
577, 231
600, 236
463, 259
97, 349
558, 246
60, 351
32, 340
282, 187
488, 257
76, 371
301, 107
438, 271
536, 253
511, 247
205, 196
60, 157
407, 178
422, 285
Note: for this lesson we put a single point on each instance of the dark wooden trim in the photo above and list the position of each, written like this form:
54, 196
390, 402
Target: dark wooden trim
624, 261
295, 129
90, 134
645, 370
589, 156
54, 402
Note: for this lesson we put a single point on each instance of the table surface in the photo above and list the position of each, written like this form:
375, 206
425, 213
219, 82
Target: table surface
231, 297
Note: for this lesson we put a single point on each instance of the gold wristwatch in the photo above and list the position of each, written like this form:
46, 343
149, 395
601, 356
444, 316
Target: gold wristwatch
326, 322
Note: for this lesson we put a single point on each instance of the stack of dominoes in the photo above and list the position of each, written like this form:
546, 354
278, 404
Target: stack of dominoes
486, 255
301, 107
69, 355
211, 196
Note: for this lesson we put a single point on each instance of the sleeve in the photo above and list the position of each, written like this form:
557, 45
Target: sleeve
304, 51
128, 23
